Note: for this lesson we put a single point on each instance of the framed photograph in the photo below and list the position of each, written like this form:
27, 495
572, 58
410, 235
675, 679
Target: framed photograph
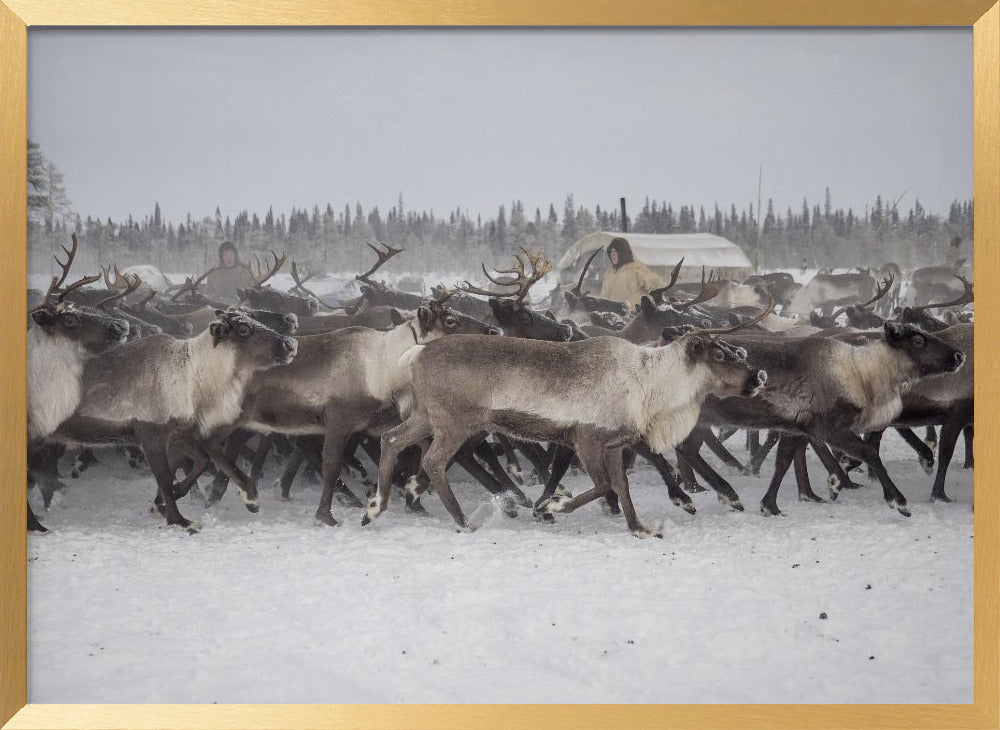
506, 323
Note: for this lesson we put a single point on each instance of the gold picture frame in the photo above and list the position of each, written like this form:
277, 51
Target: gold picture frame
17, 15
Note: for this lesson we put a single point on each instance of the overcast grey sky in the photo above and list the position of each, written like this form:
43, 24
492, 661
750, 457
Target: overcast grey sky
475, 118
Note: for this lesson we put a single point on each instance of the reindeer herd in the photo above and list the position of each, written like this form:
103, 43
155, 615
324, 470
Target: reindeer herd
479, 379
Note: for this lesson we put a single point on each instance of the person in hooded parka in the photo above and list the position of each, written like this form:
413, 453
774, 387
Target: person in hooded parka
628, 280
231, 274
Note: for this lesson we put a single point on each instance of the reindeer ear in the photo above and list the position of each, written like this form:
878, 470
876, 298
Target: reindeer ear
814, 319
43, 317
219, 331
426, 316
396, 317
647, 306
219, 312
550, 315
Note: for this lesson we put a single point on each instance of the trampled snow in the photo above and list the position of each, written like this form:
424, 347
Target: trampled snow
726, 608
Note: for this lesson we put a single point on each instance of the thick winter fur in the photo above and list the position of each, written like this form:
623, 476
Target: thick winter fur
55, 364
595, 395
159, 380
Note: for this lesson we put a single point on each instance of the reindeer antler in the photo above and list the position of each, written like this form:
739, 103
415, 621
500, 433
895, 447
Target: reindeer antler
443, 295
880, 291
70, 255
259, 277
300, 285
577, 290
540, 266
749, 323
657, 294
190, 286
709, 290
967, 297
132, 282
383, 256
120, 282
76, 285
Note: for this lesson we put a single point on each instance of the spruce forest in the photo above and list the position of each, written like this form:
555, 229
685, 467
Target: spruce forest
332, 238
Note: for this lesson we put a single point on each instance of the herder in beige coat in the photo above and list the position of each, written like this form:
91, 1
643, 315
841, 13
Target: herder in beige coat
627, 280
231, 274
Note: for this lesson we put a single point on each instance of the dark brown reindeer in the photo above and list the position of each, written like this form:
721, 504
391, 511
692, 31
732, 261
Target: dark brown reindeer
855, 312
829, 390
158, 388
560, 392
263, 296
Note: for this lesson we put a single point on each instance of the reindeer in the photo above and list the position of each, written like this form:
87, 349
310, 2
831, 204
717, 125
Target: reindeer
828, 291
263, 296
934, 282
859, 314
828, 390
158, 388
63, 336
345, 382
561, 392
578, 300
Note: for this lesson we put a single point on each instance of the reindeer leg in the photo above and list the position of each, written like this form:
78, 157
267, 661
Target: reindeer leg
851, 444
924, 452
33, 524
513, 464
724, 491
245, 486
154, 445
788, 445
677, 495
688, 479
720, 451
316, 458
435, 463
289, 471
757, 457
968, 433
806, 494
946, 448
486, 452
234, 445
562, 456
931, 437
263, 449
392, 443
615, 467
837, 478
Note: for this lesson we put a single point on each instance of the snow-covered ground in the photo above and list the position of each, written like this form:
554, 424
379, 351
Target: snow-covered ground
728, 607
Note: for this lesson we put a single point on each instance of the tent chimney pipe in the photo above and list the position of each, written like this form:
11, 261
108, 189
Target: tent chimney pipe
624, 217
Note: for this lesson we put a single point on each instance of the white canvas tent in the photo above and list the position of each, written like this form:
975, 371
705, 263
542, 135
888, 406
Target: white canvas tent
661, 252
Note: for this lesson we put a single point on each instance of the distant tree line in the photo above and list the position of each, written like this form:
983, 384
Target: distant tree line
333, 238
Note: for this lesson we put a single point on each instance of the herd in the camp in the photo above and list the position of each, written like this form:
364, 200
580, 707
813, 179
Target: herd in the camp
480, 379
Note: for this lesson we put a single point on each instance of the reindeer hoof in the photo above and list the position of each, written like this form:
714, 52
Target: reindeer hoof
191, 528
323, 517
644, 532
733, 502
465, 528
687, 506
545, 518
810, 497
928, 465
770, 510
553, 504
900, 507
252, 507
610, 510
940, 497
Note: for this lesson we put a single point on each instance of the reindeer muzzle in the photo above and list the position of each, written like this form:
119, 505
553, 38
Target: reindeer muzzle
118, 331
957, 360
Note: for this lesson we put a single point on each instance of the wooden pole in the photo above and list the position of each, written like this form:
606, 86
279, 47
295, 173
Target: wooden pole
624, 216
